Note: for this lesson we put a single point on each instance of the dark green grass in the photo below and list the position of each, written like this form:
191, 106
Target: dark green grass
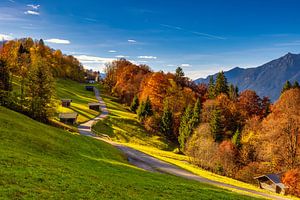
41, 162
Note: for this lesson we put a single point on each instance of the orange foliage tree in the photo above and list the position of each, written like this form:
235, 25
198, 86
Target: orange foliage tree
292, 180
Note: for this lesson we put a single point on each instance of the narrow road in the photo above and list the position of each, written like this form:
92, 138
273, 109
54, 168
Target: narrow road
152, 164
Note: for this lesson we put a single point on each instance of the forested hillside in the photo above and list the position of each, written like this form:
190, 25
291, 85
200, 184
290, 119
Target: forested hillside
236, 134
35, 65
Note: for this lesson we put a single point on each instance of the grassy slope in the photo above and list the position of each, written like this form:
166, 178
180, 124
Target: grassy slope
123, 126
133, 135
67, 89
42, 162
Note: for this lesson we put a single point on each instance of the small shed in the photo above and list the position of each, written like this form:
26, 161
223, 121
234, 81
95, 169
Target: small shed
68, 118
66, 102
89, 88
94, 106
271, 182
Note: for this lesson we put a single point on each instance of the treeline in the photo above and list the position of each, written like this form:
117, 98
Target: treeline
159, 99
237, 134
32, 67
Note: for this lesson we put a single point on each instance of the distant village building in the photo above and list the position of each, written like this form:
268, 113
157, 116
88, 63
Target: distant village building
68, 118
89, 88
66, 102
94, 106
92, 76
271, 182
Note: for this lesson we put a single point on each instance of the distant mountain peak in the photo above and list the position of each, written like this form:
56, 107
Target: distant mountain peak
267, 79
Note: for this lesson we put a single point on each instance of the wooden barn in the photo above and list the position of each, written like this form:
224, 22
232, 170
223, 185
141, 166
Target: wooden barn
271, 182
66, 102
94, 106
68, 118
89, 88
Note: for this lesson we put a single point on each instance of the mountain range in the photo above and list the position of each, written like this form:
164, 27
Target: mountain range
267, 79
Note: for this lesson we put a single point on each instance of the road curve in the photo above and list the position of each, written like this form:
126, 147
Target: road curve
152, 164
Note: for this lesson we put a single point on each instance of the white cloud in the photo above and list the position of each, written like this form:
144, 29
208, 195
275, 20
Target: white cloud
121, 56
112, 51
293, 43
85, 59
31, 12
131, 41
147, 57
171, 65
185, 65
5, 37
12, 1
58, 41
35, 7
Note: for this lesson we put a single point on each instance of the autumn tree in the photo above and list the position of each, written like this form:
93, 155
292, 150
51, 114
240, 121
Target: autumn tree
292, 180
282, 125
249, 104
135, 104
221, 85
227, 158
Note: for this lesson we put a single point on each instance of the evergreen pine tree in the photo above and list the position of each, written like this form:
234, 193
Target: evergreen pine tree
186, 127
196, 114
148, 107
286, 86
221, 85
135, 104
5, 84
236, 140
216, 126
211, 88
166, 124
145, 109
40, 90
233, 92
296, 84
179, 72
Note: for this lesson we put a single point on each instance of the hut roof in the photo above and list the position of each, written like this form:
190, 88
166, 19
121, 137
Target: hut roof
275, 178
68, 115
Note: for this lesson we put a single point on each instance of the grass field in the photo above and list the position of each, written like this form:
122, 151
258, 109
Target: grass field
122, 126
38, 161
67, 89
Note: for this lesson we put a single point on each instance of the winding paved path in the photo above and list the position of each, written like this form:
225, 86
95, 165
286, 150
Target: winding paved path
152, 164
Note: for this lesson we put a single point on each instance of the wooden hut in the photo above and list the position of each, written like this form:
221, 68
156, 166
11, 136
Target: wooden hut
94, 106
68, 118
89, 88
271, 182
66, 102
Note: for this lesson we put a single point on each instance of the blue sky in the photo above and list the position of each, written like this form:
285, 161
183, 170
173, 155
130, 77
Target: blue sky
203, 37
